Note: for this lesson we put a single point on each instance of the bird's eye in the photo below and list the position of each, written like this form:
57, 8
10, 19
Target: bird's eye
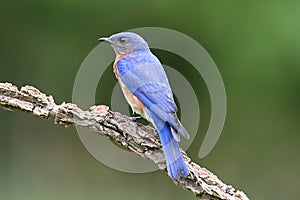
123, 39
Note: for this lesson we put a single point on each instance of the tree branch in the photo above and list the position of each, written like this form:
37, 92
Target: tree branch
138, 138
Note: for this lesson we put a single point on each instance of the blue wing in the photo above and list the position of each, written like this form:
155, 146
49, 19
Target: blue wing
145, 77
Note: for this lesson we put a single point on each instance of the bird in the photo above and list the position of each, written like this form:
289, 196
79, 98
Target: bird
146, 88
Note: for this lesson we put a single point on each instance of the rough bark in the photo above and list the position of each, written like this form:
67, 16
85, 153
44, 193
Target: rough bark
120, 129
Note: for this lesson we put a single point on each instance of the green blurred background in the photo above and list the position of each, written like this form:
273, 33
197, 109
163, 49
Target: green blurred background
255, 44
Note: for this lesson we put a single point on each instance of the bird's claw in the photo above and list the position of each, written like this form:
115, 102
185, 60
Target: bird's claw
135, 118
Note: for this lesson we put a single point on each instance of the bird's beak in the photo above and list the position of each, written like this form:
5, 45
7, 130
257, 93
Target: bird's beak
106, 39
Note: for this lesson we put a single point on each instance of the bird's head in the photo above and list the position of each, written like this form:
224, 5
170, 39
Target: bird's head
126, 42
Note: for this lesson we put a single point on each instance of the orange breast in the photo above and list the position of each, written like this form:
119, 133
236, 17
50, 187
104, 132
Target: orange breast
118, 57
136, 105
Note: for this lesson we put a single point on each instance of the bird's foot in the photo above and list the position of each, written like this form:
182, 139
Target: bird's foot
135, 118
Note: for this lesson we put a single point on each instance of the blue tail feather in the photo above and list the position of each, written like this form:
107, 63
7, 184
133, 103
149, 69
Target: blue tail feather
174, 160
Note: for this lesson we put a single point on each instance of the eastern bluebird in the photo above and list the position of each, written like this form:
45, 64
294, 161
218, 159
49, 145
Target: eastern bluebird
146, 88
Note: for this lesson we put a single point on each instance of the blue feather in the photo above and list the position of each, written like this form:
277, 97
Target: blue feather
144, 76
175, 164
